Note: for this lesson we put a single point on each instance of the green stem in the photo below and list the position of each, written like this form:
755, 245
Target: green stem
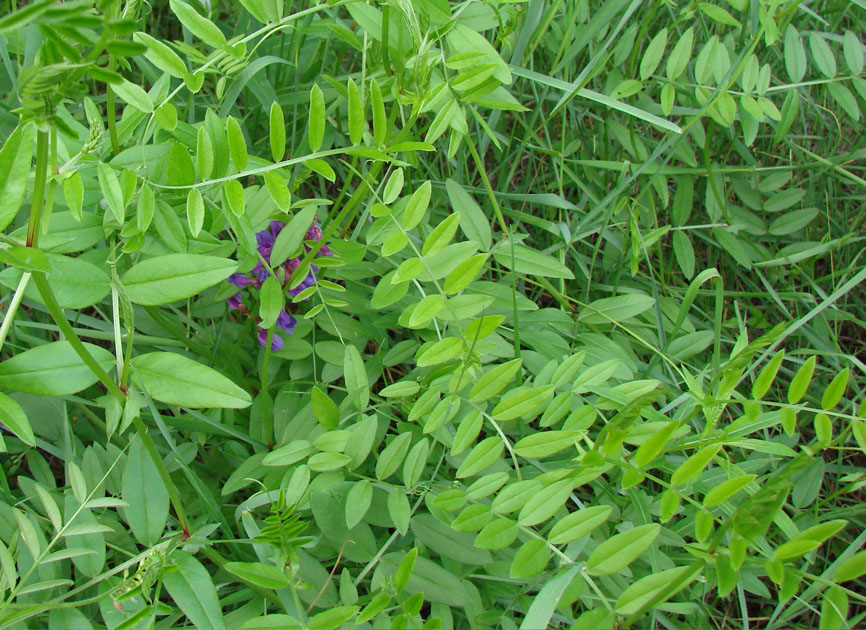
173, 493
267, 416
41, 280
13, 307
112, 125
38, 188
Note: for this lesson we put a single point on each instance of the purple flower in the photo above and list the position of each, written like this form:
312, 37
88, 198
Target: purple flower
315, 234
240, 280
256, 277
286, 322
265, 242
276, 342
277, 227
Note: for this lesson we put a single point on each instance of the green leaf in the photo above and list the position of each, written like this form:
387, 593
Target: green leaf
400, 389
464, 274
497, 534
14, 418
379, 603
524, 260
619, 551
356, 113
237, 144
316, 131
161, 55
291, 237
437, 584
258, 573
234, 194
767, 375
144, 209
834, 609
181, 171
426, 310
615, 309
852, 50
851, 569
718, 14
467, 432
678, 60
134, 95
324, 409
800, 382
440, 352
76, 283
52, 369
177, 380
22, 259
288, 454
835, 390
441, 235
727, 489
822, 55
393, 186
399, 510
494, 380
446, 542
200, 26
656, 588
111, 191
73, 192
173, 277
404, 570
192, 589
544, 604
694, 464
473, 221
795, 54
417, 206
530, 560
463, 39
358, 502
333, 618
194, 211
146, 496
578, 524
15, 159
808, 540
545, 443
204, 152
321, 167
322, 462
278, 190
481, 457
846, 100
271, 301
653, 54
544, 504
392, 456
277, 134
522, 402
355, 376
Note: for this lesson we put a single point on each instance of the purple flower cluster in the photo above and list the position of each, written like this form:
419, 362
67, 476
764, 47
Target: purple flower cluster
265, 243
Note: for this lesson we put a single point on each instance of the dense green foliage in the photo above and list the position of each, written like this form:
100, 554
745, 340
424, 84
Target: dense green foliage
409, 313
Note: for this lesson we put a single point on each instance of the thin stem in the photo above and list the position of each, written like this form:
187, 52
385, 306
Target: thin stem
13, 307
41, 280
173, 493
38, 188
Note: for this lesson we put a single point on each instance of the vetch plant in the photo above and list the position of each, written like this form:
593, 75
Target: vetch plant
431, 315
